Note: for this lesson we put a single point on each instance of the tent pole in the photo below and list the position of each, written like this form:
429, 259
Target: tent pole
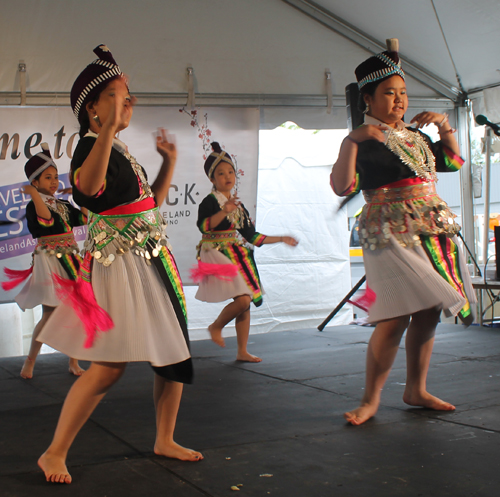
487, 169
464, 116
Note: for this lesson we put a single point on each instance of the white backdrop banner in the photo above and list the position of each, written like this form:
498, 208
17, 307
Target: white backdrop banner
23, 129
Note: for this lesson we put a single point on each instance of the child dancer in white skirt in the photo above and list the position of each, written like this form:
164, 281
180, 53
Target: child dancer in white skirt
412, 260
127, 303
226, 266
50, 221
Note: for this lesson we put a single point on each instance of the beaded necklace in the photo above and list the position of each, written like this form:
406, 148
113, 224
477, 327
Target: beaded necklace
236, 217
55, 206
413, 151
144, 187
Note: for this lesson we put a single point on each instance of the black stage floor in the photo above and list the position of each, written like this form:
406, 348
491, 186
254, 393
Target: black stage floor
275, 428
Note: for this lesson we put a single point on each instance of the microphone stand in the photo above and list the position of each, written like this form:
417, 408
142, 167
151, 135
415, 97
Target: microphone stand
358, 285
355, 288
470, 254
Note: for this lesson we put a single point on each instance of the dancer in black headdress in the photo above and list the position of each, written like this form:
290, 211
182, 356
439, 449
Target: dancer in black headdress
226, 266
51, 221
127, 303
412, 260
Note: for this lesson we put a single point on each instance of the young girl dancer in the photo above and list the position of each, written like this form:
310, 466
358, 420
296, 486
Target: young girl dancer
412, 260
226, 266
129, 288
50, 221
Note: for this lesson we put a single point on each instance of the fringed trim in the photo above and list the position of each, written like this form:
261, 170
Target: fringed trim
16, 277
168, 261
444, 256
365, 300
205, 225
453, 162
352, 189
82, 218
242, 258
80, 295
46, 223
225, 272
258, 239
76, 180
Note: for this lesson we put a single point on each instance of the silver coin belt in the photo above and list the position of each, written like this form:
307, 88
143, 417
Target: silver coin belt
219, 240
404, 213
57, 245
109, 237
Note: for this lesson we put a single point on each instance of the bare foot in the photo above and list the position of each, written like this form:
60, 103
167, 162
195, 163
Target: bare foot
216, 335
74, 368
27, 369
54, 468
176, 451
362, 414
246, 357
427, 400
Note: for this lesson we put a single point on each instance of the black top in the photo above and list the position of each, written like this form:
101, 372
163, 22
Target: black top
121, 183
56, 226
210, 206
377, 166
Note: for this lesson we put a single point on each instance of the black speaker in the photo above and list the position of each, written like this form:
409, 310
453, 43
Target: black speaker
354, 115
497, 250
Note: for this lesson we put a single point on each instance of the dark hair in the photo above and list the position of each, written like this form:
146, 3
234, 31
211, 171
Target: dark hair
36, 178
216, 147
84, 115
368, 89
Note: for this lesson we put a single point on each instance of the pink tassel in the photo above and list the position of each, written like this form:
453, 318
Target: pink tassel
16, 277
225, 272
365, 300
82, 299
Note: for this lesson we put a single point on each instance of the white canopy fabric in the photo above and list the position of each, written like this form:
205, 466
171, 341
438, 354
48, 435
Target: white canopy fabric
427, 28
267, 53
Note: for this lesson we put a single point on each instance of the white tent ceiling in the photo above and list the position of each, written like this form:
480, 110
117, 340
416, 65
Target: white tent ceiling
427, 28
268, 53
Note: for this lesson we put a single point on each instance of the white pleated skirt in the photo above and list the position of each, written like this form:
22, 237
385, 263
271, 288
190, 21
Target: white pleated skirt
145, 324
213, 289
40, 289
405, 282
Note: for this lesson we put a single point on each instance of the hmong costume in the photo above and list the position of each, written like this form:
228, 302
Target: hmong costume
56, 252
132, 274
412, 260
225, 245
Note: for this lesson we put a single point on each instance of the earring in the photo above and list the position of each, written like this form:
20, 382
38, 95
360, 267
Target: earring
367, 109
97, 121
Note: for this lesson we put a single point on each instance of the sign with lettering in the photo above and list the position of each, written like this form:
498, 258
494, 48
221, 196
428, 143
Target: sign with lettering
22, 130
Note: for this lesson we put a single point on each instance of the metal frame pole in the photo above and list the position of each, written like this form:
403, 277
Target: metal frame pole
487, 187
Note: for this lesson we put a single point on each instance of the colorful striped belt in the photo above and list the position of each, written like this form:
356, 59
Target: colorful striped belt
409, 190
220, 236
58, 245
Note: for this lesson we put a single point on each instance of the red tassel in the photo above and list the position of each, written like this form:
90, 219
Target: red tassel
365, 300
16, 276
225, 272
82, 299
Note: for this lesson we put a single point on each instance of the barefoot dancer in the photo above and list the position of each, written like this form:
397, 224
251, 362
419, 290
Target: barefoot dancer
50, 221
411, 258
128, 271
226, 267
